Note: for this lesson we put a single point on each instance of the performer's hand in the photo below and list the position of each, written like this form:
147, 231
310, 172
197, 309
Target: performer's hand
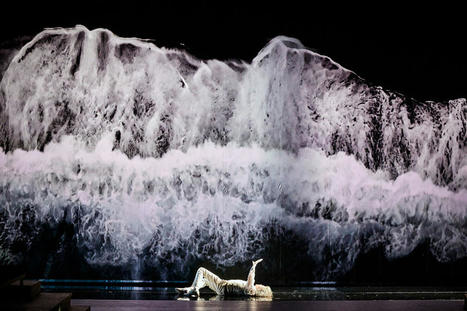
257, 261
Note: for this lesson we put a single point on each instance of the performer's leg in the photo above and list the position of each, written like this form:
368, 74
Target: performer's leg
203, 278
210, 280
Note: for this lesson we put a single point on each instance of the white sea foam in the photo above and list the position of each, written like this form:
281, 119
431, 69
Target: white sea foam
87, 83
215, 201
148, 151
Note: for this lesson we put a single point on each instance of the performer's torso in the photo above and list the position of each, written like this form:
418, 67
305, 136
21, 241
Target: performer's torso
232, 287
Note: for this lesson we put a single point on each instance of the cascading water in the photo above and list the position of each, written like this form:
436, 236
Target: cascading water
154, 156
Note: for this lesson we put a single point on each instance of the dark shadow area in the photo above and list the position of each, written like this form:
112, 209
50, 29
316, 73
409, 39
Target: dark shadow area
419, 268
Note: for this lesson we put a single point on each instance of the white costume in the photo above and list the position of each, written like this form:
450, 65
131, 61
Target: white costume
205, 277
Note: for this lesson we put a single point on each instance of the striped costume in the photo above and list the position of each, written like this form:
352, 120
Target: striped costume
222, 287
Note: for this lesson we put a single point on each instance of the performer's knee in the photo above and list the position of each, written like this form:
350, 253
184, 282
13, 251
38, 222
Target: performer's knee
201, 270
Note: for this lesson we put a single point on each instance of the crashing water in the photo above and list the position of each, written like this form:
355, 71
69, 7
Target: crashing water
151, 153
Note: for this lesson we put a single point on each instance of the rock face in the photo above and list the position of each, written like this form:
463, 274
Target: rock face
149, 151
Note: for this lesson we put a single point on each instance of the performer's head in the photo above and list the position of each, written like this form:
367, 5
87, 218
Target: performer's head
263, 291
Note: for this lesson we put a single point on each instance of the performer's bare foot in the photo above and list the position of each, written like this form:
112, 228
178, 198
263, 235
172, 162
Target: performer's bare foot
187, 291
257, 261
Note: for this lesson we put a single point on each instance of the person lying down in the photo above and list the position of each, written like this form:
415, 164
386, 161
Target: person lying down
222, 287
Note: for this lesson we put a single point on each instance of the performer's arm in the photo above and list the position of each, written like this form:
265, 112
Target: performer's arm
250, 283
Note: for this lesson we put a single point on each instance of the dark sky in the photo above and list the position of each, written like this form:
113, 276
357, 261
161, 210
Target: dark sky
420, 51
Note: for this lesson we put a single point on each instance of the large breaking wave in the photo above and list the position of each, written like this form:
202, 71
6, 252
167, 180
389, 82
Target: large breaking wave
151, 153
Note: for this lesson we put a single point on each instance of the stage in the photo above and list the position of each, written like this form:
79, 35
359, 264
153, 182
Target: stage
238, 305
324, 297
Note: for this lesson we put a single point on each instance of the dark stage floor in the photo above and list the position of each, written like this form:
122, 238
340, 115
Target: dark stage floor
113, 292
324, 297
238, 305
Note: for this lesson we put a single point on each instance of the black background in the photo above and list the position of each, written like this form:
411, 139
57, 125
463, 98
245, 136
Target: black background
419, 51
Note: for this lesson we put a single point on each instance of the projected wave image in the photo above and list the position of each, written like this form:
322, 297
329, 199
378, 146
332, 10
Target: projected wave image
142, 160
